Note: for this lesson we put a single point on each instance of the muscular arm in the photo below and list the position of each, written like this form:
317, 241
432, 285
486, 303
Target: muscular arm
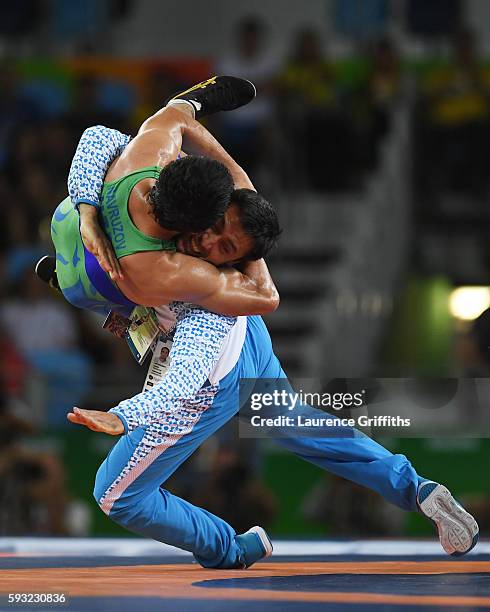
250, 293
99, 146
163, 135
156, 278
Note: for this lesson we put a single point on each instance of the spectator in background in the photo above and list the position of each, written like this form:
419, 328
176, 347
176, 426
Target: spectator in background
314, 119
243, 132
20, 19
81, 23
17, 229
15, 108
32, 493
473, 348
34, 177
43, 331
383, 90
480, 334
24, 147
471, 352
370, 100
473, 357
87, 109
307, 77
455, 115
12, 366
57, 146
38, 152
158, 87
38, 193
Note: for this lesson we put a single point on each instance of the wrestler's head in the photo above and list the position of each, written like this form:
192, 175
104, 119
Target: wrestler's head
191, 194
247, 231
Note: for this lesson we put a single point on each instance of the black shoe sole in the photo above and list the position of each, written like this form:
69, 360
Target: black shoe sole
236, 92
46, 271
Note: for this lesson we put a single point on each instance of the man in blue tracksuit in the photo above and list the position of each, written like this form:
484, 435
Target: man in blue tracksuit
162, 427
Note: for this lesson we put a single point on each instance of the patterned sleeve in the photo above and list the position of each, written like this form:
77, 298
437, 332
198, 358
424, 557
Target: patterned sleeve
97, 148
198, 340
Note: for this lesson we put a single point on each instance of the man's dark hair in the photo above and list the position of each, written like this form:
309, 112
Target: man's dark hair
259, 220
191, 194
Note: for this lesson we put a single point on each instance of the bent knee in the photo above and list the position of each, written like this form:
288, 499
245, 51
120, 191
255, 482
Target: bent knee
130, 513
120, 510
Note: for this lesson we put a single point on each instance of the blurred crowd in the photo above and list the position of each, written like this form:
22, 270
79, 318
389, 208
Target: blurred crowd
304, 114
316, 126
310, 109
451, 124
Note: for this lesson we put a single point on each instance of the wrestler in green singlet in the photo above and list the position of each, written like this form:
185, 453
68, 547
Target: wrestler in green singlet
75, 266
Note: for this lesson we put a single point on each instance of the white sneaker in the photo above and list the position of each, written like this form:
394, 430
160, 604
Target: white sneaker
458, 530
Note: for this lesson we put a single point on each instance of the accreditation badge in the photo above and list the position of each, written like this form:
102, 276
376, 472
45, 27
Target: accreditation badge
142, 331
160, 362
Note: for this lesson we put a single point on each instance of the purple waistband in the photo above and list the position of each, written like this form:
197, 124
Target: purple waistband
102, 282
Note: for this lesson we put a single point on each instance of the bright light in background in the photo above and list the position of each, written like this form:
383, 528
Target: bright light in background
467, 303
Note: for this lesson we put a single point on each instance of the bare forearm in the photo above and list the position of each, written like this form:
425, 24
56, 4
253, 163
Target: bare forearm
159, 139
197, 140
258, 273
87, 212
248, 293
155, 278
235, 295
189, 134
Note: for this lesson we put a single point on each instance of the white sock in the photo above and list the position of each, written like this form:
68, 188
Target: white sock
188, 103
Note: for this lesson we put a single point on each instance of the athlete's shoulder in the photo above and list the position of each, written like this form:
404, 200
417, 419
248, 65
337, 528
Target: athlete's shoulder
120, 171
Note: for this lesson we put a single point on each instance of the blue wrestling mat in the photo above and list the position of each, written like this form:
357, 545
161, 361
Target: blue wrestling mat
134, 574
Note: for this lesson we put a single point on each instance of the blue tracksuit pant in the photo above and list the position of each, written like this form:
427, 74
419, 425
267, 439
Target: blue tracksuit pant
129, 482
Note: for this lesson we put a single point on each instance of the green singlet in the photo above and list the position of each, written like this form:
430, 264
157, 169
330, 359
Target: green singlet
82, 281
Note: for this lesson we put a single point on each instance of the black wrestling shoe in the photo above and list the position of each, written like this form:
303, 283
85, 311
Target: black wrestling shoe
219, 93
46, 270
